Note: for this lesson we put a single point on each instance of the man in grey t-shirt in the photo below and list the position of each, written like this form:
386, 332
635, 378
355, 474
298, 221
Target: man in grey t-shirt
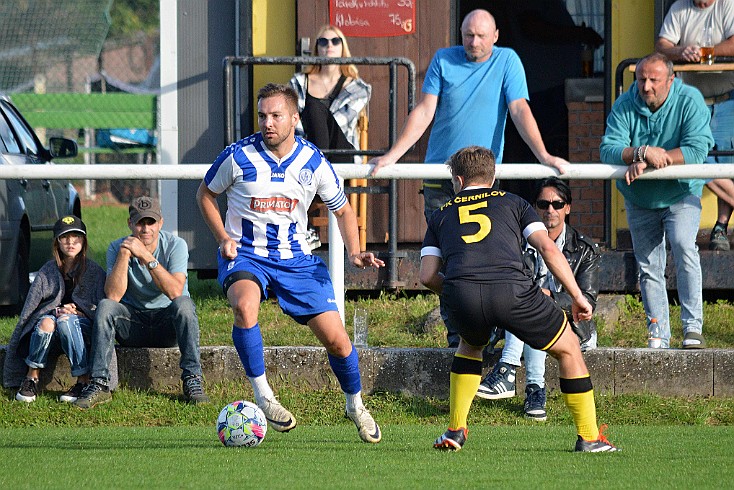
147, 304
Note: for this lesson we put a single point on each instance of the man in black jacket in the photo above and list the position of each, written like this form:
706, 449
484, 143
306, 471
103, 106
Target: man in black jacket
553, 203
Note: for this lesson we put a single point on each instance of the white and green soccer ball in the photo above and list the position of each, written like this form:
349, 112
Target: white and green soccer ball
241, 423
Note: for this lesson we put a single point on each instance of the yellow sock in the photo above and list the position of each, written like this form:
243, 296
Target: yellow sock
578, 394
466, 374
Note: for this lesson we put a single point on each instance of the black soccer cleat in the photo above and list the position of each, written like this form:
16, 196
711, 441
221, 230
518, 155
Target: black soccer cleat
452, 440
601, 445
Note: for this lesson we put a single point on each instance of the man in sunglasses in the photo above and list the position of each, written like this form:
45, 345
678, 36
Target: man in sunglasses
476, 238
467, 93
553, 203
661, 121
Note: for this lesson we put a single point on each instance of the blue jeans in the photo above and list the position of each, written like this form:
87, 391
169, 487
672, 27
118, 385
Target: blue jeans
534, 359
722, 128
71, 330
176, 324
649, 229
435, 197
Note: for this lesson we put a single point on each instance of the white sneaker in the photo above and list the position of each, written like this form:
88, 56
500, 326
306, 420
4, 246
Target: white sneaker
368, 429
278, 417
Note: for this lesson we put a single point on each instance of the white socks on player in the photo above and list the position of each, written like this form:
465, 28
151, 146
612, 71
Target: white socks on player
261, 388
354, 402
263, 391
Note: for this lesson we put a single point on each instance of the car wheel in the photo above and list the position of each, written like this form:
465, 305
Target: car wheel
22, 270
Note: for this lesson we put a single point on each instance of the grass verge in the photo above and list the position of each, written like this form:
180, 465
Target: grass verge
325, 407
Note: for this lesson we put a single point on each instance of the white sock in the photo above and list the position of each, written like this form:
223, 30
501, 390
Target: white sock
261, 388
354, 402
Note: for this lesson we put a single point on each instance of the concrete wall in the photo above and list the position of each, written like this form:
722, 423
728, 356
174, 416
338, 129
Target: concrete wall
422, 372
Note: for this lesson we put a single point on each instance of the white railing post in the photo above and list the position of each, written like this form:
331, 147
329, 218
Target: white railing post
336, 261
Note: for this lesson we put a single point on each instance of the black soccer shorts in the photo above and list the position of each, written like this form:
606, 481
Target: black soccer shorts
474, 308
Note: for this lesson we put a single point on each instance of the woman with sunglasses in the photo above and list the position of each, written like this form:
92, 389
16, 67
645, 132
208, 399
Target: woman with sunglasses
61, 304
331, 97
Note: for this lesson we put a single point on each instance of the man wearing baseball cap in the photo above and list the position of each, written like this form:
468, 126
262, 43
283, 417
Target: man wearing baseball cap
147, 305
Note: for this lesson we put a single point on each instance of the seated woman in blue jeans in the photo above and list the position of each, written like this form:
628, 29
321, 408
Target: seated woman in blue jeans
61, 303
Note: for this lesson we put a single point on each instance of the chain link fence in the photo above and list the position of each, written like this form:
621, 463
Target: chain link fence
68, 79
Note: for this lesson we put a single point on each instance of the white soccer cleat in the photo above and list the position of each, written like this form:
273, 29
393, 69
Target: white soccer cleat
368, 429
278, 417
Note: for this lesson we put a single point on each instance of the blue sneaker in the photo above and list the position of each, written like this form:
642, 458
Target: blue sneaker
535, 403
500, 383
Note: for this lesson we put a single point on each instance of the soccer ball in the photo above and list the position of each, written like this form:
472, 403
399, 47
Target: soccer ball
241, 423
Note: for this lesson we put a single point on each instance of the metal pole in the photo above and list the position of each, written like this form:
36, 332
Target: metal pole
229, 136
392, 239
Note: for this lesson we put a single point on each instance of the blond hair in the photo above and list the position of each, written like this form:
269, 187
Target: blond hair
347, 70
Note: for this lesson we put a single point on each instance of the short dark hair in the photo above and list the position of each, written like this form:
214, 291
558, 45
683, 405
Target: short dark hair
273, 89
473, 163
559, 185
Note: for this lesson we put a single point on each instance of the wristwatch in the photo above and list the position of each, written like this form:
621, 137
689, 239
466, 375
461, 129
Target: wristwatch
152, 265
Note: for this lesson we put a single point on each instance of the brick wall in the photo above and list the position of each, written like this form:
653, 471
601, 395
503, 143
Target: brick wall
585, 129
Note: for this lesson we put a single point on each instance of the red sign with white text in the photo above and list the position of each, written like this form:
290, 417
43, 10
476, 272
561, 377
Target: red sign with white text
373, 18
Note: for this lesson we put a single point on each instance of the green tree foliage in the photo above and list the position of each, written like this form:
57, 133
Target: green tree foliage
130, 17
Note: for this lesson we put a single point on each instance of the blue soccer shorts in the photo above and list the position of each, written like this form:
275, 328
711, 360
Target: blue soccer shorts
301, 284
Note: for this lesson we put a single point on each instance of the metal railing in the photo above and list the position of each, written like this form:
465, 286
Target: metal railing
354, 171
574, 171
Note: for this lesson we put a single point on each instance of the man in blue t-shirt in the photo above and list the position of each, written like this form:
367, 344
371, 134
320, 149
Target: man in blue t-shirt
467, 92
147, 304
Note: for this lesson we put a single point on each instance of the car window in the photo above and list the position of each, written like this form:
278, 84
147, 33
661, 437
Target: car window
8, 138
28, 143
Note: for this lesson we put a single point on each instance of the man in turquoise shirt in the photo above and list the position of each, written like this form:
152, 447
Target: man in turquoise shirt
658, 122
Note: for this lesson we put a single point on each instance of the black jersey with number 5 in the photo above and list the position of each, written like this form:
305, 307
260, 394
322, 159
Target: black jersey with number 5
478, 235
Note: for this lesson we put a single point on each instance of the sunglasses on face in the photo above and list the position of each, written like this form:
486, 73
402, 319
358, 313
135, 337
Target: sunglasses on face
323, 41
543, 204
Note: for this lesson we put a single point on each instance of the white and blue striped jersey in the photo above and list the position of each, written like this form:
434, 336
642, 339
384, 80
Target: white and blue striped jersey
268, 198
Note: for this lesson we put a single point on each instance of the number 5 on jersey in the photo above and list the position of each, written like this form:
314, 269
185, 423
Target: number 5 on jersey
466, 216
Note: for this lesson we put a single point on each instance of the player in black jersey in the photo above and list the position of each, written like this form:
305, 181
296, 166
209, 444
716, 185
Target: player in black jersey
478, 236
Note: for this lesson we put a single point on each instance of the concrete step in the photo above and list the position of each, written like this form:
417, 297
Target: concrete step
420, 372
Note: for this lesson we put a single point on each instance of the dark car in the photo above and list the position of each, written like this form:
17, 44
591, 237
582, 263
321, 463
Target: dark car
28, 208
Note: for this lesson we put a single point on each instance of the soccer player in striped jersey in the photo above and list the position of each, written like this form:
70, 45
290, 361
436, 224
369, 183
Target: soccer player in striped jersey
270, 179
478, 236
